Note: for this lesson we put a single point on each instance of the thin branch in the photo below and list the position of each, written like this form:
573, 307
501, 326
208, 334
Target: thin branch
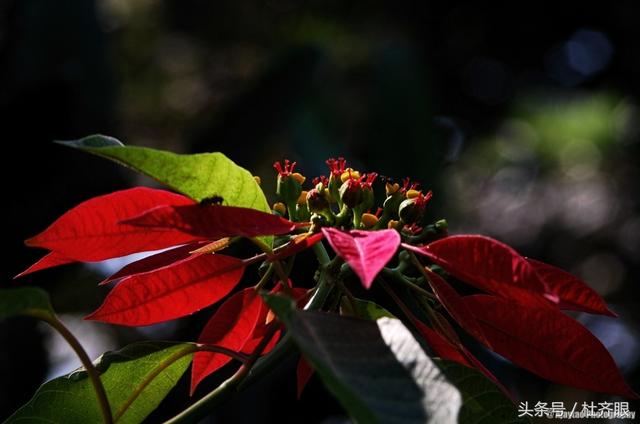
94, 377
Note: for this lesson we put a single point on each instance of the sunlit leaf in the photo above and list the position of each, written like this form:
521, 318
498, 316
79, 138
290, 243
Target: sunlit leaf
232, 326
171, 292
70, 399
92, 231
50, 260
200, 176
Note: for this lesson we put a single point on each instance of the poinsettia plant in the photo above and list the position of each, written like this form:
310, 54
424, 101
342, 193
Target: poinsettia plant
398, 359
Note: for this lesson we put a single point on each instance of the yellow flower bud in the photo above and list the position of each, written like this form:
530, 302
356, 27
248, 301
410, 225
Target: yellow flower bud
391, 188
302, 199
280, 208
298, 177
349, 173
369, 220
258, 179
413, 193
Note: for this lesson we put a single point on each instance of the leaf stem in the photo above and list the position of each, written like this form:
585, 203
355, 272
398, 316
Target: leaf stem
248, 373
264, 278
321, 253
399, 278
94, 377
395, 298
198, 410
343, 288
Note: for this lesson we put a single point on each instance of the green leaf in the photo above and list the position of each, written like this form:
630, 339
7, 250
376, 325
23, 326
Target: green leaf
198, 176
70, 399
482, 401
24, 301
364, 309
376, 369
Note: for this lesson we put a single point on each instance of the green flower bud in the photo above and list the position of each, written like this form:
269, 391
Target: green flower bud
317, 200
351, 193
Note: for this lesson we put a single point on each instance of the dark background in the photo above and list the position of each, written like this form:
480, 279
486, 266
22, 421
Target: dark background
522, 117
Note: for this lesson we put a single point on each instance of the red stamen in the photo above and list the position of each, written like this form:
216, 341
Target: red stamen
336, 166
285, 169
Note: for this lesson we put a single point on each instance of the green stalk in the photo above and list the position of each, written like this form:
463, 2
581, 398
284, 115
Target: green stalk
201, 408
397, 277
94, 377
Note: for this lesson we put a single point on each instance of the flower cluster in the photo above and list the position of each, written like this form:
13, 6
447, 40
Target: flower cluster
346, 199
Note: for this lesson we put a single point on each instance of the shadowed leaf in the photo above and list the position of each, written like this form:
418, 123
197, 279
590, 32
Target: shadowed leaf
548, 343
24, 301
376, 369
213, 221
572, 293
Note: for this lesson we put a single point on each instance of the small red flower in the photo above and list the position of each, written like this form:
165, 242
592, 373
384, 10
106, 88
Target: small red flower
408, 185
321, 179
284, 169
367, 179
336, 166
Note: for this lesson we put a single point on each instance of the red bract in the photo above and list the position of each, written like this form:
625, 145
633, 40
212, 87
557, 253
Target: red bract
366, 252
483, 262
171, 292
297, 245
231, 327
154, 262
547, 343
92, 231
498, 269
441, 346
212, 221
266, 321
572, 293
304, 371
454, 304
49, 260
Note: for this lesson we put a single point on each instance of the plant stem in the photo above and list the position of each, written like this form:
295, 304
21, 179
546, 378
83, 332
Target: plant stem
399, 278
395, 298
199, 410
321, 253
345, 290
284, 278
94, 377
248, 373
264, 278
